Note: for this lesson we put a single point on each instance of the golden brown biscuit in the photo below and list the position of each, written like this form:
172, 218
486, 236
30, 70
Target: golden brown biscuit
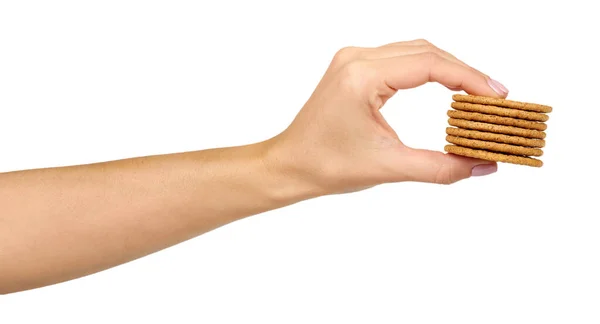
502, 103
493, 146
500, 111
492, 156
495, 137
498, 129
491, 119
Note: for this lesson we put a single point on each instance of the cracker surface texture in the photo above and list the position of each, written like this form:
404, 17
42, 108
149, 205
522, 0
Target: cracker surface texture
502, 103
497, 130
495, 137
491, 156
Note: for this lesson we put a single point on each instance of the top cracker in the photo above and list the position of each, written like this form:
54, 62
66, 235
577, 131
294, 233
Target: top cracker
502, 103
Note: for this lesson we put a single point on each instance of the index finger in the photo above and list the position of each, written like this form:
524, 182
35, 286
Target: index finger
411, 71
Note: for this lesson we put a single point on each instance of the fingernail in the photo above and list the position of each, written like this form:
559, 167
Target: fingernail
483, 169
497, 87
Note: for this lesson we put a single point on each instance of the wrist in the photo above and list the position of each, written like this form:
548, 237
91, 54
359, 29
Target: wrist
287, 181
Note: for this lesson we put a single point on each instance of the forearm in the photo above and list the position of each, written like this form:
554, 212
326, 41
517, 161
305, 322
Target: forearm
61, 223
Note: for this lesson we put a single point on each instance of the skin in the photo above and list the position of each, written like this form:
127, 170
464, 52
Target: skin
58, 224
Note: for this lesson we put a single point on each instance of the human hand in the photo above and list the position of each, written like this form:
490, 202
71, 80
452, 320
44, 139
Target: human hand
340, 141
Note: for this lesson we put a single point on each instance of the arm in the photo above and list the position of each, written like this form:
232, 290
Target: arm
61, 223
58, 224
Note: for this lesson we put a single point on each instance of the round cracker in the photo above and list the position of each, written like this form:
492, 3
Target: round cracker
493, 146
506, 121
492, 156
499, 111
498, 129
502, 103
494, 137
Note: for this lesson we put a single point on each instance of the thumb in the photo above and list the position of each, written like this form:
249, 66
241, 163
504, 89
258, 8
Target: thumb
437, 167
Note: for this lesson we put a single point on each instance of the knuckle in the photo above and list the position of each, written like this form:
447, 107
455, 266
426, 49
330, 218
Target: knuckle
432, 48
355, 75
345, 55
430, 57
422, 41
445, 174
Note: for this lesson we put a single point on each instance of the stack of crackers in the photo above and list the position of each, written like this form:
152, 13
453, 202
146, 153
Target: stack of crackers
497, 129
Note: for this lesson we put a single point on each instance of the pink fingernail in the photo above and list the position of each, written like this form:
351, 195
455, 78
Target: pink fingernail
483, 169
497, 87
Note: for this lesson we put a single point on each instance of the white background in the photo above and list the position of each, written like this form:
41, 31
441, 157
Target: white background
89, 81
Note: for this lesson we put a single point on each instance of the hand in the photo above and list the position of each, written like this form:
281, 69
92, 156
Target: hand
340, 141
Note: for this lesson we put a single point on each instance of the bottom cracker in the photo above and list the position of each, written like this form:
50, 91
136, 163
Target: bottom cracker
491, 156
